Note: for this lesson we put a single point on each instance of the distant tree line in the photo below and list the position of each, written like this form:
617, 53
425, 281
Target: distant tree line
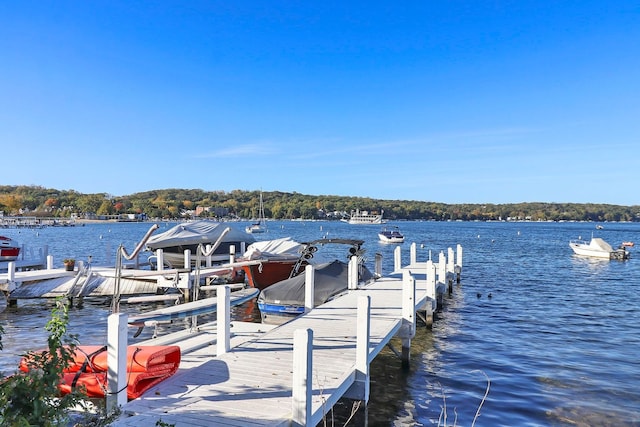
181, 203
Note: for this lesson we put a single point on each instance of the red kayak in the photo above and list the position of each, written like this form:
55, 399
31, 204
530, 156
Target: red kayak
146, 367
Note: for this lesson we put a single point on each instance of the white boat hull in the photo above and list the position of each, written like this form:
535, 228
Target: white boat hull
597, 248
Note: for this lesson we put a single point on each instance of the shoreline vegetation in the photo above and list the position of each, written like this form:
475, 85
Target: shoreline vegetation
176, 204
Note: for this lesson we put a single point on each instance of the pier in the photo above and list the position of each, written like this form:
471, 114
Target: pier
239, 374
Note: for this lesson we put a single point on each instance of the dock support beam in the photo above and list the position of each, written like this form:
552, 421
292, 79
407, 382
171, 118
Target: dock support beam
116, 361
223, 342
302, 377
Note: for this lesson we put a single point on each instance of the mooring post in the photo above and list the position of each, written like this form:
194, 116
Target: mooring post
309, 288
378, 265
160, 258
352, 272
408, 315
458, 262
116, 361
187, 259
363, 338
413, 253
397, 258
49, 262
223, 343
450, 269
302, 377
232, 254
431, 293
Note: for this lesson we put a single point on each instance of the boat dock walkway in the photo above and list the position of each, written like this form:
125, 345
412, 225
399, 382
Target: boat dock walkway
293, 374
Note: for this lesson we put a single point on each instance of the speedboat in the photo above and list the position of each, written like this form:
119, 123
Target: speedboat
274, 261
391, 236
189, 235
285, 300
9, 249
598, 248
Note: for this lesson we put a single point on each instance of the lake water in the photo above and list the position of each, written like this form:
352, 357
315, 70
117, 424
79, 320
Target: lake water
555, 336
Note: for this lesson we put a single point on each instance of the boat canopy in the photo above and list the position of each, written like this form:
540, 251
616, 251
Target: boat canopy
601, 244
284, 248
193, 233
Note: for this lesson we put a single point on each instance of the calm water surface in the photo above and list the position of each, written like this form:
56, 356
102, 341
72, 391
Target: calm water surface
552, 334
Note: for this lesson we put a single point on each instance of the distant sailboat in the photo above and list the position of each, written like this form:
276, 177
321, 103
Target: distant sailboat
261, 225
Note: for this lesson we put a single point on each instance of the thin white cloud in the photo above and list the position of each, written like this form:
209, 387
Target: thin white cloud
238, 151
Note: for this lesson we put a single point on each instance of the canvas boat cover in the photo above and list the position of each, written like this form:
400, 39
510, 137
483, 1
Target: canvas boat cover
330, 279
600, 244
285, 248
193, 233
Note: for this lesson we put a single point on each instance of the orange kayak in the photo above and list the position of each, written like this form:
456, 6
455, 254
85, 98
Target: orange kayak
146, 367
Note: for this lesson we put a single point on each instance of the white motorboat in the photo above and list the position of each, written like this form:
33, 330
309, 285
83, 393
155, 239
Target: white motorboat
391, 236
189, 235
364, 217
598, 248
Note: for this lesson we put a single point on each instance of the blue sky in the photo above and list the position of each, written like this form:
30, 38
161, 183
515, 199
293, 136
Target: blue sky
454, 102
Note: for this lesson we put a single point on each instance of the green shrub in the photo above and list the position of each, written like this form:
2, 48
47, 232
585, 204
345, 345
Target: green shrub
32, 398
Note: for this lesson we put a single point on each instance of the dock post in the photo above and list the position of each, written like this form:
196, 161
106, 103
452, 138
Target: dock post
397, 258
116, 361
187, 259
359, 390
223, 340
431, 292
378, 265
458, 262
232, 254
408, 315
309, 287
49, 262
160, 259
450, 269
207, 259
352, 272
302, 377
413, 254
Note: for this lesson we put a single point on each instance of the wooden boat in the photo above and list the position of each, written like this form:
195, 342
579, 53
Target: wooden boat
9, 249
597, 248
146, 367
391, 236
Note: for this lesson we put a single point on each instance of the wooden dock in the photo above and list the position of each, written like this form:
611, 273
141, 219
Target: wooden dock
293, 374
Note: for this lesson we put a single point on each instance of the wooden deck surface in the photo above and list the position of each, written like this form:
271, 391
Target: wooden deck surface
252, 384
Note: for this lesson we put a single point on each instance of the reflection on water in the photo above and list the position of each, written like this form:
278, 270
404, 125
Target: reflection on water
555, 334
